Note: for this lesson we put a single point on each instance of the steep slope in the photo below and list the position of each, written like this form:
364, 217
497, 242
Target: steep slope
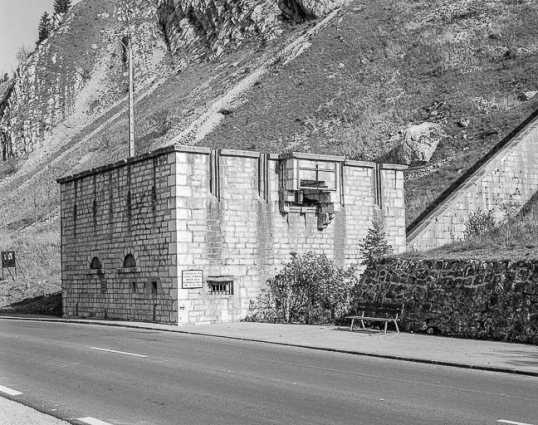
87, 50
385, 65
67, 109
219, 73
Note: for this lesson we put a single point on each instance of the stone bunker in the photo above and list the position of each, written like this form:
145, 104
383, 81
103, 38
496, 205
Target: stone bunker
190, 235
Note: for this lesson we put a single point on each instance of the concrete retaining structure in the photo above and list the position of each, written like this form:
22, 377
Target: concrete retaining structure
189, 235
505, 179
461, 298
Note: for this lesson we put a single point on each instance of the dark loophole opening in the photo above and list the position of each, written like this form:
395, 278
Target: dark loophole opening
129, 261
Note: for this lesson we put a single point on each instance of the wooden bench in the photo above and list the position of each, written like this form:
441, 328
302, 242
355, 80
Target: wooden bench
377, 312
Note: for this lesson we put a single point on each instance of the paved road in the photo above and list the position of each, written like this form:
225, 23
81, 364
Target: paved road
153, 377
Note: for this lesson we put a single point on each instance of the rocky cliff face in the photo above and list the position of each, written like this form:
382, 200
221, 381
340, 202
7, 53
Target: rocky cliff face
81, 69
48, 83
203, 28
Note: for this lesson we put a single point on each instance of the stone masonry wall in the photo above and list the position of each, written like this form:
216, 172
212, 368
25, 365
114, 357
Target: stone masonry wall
462, 298
243, 235
506, 178
109, 214
217, 213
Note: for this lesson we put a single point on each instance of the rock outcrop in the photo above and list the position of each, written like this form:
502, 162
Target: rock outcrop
205, 28
301, 10
47, 84
418, 144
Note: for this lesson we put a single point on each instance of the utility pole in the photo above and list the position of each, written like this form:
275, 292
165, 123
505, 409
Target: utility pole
131, 98
129, 49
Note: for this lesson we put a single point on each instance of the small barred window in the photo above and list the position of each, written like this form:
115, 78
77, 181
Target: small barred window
221, 286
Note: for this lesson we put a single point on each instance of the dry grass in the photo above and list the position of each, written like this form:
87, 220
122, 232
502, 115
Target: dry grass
37, 252
514, 238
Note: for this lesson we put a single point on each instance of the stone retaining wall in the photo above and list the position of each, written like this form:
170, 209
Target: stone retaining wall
471, 298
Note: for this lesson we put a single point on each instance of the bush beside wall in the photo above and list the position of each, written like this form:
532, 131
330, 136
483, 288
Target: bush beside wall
462, 298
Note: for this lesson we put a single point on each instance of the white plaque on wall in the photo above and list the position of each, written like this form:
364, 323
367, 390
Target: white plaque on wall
192, 279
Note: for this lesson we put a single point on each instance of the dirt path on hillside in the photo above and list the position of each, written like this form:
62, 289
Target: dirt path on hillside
67, 148
236, 96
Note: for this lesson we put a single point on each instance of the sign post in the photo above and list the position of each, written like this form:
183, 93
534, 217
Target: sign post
8, 262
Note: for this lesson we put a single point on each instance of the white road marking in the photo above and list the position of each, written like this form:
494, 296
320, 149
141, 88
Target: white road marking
9, 391
92, 421
119, 352
504, 421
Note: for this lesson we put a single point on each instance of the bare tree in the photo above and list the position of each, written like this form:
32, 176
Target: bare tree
22, 54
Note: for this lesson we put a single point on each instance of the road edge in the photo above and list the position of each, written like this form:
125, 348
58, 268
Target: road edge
288, 344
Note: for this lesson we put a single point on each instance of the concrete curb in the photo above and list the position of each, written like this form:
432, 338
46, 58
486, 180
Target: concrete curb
288, 344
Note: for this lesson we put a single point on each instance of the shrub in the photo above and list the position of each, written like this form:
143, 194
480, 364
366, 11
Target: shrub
12, 165
162, 121
479, 223
105, 141
310, 289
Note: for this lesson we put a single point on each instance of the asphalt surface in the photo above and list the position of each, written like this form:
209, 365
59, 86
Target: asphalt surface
147, 376
465, 353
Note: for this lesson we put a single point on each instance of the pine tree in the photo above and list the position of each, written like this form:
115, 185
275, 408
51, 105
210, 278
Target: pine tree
374, 247
62, 6
44, 28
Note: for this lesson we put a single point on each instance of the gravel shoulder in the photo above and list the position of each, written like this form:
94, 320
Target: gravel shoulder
14, 413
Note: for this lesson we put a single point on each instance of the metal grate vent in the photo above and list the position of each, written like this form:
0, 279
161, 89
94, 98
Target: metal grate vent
220, 285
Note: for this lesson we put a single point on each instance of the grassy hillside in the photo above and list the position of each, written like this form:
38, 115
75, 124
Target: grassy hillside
385, 64
89, 139
378, 67
37, 251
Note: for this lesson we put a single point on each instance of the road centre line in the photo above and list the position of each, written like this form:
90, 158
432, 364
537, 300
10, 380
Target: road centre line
118, 352
9, 391
92, 421
504, 421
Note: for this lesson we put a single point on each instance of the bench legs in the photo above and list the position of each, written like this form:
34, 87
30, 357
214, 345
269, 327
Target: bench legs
395, 324
386, 324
